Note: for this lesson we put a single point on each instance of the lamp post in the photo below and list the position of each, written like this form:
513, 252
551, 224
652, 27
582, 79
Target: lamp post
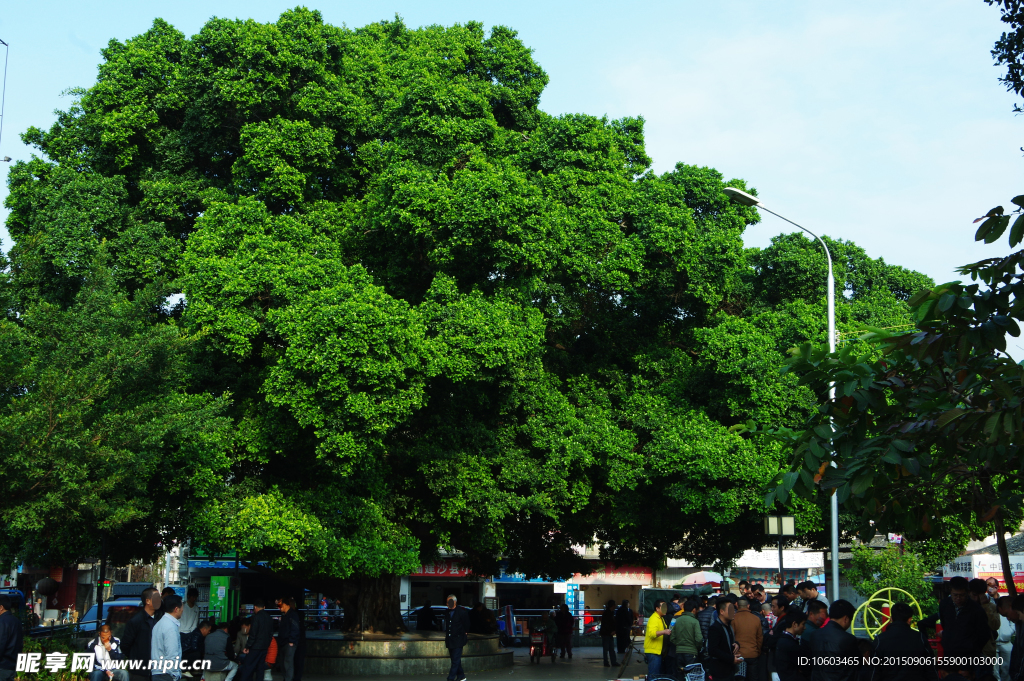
746, 199
780, 526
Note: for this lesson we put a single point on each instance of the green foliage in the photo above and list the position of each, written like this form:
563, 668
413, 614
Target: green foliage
925, 429
872, 570
94, 416
436, 317
56, 644
1009, 48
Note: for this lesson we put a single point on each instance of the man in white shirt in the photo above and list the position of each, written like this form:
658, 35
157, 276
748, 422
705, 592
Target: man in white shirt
165, 655
809, 592
1005, 635
190, 620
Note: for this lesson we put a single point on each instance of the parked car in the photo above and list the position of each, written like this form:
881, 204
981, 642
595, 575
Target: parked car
410, 617
116, 612
17, 599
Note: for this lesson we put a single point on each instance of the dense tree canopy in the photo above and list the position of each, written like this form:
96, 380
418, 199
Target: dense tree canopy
435, 316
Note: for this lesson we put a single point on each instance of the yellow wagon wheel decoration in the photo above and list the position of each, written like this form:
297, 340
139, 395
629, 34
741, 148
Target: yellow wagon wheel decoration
872, 615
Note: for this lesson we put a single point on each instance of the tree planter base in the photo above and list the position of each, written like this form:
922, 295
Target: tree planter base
332, 652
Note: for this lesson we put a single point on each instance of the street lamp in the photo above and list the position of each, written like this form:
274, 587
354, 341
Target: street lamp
746, 199
781, 526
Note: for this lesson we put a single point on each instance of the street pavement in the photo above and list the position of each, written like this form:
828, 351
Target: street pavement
586, 665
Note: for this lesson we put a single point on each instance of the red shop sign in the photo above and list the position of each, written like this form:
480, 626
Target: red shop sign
447, 567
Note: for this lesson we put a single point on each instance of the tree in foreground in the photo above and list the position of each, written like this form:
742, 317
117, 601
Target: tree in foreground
925, 429
437, 317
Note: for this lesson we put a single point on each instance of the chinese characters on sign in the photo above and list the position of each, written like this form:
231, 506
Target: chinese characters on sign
447, 567
984, 566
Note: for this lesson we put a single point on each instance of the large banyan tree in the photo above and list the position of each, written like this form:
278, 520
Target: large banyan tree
360, 300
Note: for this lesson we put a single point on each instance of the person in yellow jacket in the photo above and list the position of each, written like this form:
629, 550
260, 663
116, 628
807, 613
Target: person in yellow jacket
653, 641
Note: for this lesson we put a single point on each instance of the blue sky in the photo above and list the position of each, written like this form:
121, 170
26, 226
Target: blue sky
878, 122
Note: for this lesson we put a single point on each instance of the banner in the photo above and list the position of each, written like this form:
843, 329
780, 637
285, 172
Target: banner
985, 565
608, 573
446, 567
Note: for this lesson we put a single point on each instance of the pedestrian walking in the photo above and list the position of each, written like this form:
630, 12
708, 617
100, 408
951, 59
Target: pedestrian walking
288, 636
790, 651
566, 627
137, 637
217, 652
11, 639
686, 634
656, 630
746, 627
165, 648
456, 629
898, 644
257, 643
833, 641
624, 619
723, 651
607, 632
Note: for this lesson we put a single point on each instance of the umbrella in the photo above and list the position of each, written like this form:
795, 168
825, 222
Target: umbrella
703, 577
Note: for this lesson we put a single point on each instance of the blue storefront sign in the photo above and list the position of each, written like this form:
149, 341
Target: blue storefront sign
505, 576
220, 564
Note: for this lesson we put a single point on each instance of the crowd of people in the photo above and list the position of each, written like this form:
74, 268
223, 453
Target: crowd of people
243, 649
797, 635
166, 640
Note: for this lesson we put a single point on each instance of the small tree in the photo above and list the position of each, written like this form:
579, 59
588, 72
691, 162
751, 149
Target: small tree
872, 570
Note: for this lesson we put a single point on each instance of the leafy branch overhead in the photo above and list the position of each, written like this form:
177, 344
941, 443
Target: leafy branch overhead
925, 429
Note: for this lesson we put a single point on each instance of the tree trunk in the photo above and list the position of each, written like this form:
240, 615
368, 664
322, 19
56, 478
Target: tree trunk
372, 605
1004, 554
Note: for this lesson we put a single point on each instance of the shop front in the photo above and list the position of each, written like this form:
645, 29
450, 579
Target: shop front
610, 582
516, 590
435, 581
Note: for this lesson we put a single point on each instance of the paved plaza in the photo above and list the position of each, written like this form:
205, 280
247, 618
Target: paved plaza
586, 665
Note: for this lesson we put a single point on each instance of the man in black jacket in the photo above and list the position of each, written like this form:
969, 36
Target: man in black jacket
624, 618
256, 646
723, 651
607, 632
10, 639
964, 623
899, 642
456, 628
288, 637
833, 641
789, 650
137, 638
425, 619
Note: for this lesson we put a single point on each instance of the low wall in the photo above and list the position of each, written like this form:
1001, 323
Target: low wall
331, 652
